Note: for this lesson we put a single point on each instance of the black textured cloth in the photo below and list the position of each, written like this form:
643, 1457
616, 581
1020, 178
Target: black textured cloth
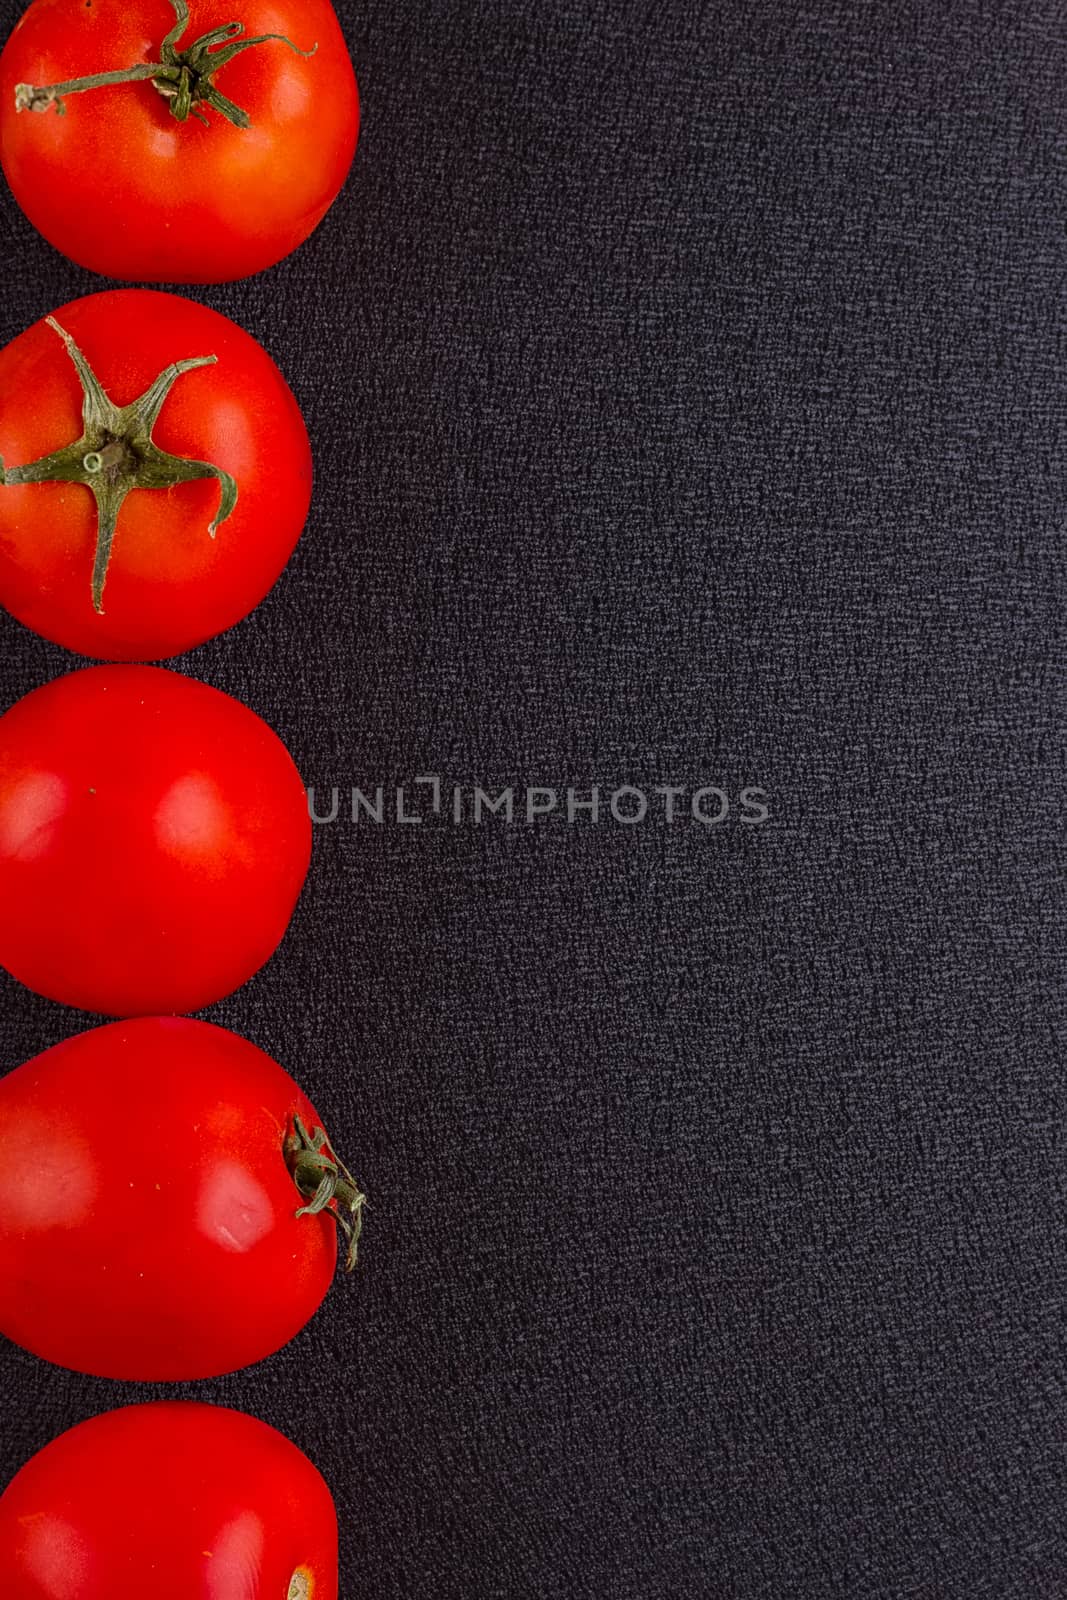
686, 383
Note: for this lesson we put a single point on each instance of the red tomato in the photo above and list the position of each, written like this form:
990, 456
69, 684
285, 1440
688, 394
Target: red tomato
154, 837
158, 1180
123, 187
167, 582
174, 1500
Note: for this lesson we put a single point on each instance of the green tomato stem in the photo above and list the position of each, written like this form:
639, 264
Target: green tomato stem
325, 1183
183, 77
117, 454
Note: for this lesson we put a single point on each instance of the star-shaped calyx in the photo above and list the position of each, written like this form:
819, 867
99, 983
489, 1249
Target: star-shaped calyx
116, 454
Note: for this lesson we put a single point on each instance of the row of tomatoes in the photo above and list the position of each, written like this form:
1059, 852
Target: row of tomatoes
170, 1203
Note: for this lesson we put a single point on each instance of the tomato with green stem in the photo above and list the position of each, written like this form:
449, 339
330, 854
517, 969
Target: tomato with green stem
177, 1500
154, 838
153, 145
169, 1203
155, 475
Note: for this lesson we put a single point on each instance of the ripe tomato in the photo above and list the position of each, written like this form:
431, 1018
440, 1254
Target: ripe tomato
157, 180
168, 581
154, 837
155, 1184
176, 1500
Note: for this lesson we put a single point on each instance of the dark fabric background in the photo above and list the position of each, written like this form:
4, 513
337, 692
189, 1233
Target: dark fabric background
687, 387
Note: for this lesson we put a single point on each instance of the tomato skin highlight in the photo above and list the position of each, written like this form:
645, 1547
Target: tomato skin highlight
148, 1226
121, 187
177, 1500
170, 584
154, 838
